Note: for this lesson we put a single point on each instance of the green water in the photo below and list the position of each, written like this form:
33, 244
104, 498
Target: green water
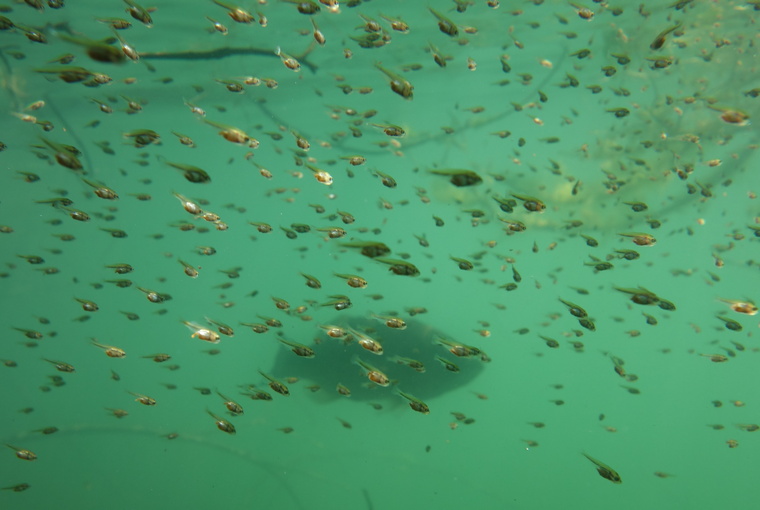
508, 430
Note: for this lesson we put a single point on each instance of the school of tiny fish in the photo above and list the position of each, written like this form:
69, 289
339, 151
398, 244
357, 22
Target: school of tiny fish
278, 205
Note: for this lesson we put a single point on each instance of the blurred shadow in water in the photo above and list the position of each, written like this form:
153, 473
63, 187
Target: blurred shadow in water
335, 363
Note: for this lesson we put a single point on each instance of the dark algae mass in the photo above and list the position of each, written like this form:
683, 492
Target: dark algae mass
379, 254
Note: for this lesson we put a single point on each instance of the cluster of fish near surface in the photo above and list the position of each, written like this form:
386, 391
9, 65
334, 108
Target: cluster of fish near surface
213, 166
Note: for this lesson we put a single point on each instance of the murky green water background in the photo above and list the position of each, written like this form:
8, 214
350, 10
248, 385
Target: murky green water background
567, 150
